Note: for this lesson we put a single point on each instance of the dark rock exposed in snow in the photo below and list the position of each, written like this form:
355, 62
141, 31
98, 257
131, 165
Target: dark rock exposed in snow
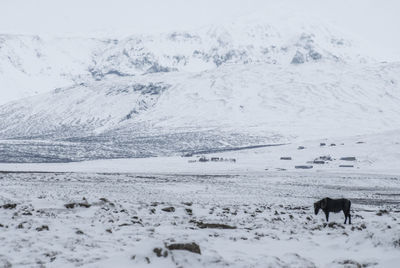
192, 247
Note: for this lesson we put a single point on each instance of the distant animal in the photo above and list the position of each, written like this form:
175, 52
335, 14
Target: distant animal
334, 205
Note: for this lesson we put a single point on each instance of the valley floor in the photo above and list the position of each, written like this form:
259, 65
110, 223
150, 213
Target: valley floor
373, 154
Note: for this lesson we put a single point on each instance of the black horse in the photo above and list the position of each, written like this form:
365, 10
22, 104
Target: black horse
334, 205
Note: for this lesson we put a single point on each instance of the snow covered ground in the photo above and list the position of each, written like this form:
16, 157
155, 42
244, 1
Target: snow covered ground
123, 220
128, 212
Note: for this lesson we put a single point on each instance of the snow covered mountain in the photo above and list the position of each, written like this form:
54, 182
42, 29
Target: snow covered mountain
236, 85
34, 64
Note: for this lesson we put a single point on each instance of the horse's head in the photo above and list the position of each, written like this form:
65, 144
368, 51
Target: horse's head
317, 207
321, 204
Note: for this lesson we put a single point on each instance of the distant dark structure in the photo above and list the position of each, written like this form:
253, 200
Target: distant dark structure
203, 159
334, 205
348, 158
303, 167
346, 166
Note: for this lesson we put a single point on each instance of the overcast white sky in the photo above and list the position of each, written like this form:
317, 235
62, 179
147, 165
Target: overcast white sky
375, 22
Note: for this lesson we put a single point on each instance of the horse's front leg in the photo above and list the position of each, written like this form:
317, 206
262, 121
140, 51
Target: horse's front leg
327, 215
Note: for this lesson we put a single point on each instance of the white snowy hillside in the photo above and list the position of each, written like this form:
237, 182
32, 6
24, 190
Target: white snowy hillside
30, 65
240, 84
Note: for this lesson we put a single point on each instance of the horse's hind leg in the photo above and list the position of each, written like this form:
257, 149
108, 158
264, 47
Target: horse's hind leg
348, 212
345, 217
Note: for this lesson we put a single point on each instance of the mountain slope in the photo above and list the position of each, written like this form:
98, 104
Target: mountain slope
220, 87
